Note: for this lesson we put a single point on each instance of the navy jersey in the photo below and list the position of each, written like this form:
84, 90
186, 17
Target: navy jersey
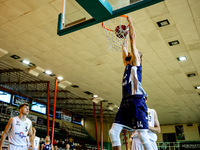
131, 80
139, 73
47, 146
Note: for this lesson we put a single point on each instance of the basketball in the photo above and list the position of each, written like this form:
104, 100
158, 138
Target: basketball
121, 31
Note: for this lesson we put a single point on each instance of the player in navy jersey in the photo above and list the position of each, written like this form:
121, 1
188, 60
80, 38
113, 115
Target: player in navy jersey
47, 145
132, 113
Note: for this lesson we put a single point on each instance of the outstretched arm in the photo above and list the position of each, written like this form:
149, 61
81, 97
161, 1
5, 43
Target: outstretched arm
5, 133
156, 128
125, 52
135, 60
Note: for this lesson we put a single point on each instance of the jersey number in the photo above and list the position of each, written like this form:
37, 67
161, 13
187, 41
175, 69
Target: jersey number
26, 129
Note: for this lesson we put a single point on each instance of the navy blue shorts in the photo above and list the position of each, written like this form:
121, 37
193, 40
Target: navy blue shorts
133, 112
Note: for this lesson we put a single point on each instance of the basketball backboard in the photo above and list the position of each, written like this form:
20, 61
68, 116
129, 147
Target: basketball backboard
78, 14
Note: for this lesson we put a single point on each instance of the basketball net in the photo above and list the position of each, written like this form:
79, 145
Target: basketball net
115, 32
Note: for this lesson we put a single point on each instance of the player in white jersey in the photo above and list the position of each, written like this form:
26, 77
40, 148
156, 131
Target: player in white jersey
17, 129
36, 143
154, 128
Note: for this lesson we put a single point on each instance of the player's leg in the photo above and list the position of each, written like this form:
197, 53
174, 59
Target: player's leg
144, 138
136, 144
153, 145
114, 134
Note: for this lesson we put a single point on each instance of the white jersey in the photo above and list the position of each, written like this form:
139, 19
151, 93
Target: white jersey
36, 143
19, 131
152, 135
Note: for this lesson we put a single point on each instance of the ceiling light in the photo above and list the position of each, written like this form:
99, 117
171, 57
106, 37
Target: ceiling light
48, 72
182, 58
172, 43
191, 75
60, 78
95, 95
197, 87
15, 57
26, 62
163, 23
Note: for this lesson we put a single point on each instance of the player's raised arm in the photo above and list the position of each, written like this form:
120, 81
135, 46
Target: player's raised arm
135, 60
125, 52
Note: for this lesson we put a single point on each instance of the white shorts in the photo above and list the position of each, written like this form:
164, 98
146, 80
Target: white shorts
137, 145
16, 147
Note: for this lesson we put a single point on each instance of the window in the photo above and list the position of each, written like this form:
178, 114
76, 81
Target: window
40, 108
5, 97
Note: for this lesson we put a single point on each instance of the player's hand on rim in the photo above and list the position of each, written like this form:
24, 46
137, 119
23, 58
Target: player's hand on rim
129, 19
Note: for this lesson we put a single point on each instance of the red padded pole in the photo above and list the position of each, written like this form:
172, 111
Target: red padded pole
54, 110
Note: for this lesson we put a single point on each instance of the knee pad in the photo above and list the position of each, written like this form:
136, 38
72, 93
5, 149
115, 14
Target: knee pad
114, 135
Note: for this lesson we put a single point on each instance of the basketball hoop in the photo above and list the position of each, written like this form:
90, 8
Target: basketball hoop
117, 31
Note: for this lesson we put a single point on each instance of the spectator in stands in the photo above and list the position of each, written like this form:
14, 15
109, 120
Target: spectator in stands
55, 144
61, 144
71, 141
67, 147
67, 143
67, 140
